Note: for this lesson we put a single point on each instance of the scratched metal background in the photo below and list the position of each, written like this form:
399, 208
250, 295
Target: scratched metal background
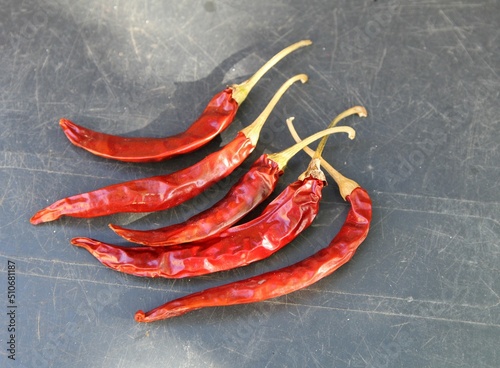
424, 288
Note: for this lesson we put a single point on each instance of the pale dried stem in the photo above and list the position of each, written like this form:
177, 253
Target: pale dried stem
241, 91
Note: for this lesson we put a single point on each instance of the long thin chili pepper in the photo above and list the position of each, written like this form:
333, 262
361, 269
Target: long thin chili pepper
280, 222
288, 279
285, 280
255, 186
216, 117
165, 191
250, 190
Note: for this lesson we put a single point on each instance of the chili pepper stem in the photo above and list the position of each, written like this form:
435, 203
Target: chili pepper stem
314, 168
360, 110
281, 158
241, 91
346, 185
252, 131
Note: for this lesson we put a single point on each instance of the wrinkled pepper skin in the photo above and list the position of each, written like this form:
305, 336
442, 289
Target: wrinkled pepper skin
165, 191
282, 220
216, 117
155, 193
252, 188
285, 280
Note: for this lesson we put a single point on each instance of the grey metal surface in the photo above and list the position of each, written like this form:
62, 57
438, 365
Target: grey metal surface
424, 288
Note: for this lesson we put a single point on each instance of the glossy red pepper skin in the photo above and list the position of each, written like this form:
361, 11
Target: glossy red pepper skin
252, 188
282, 220
285, 280
216, 117
155, 193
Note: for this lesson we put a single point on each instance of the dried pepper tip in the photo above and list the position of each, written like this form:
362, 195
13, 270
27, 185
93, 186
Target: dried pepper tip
346, 185
241, 91
282, 158
253, 130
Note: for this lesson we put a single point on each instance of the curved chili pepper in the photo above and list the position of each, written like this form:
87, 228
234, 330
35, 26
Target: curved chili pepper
165, 191
285, 280
280, 222
294, 277
216, 117
255, 186
290, 213
252, 188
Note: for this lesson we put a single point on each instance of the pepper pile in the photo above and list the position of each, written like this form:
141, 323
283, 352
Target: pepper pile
210, 241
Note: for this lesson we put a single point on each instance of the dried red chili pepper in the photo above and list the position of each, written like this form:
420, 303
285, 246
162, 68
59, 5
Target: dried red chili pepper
216, 117
252, 188
165, 191
280, 222
255, 186
288, 279
285, 280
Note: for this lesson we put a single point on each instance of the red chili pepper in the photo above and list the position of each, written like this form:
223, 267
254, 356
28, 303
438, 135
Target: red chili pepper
290, 213
217, 116
255, 186
282, 220
165, 191
288, 279
285, 280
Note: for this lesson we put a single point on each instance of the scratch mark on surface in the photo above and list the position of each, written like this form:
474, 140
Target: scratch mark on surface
380, 63
451, 241
428, 341
461, 36
277, 40
381, 220
458, 32
385, 313
38, 325
37, 99
193, 42
239, 352
54, 172
321, 75
464, 211
492, 291
412, 122
134, 43
335, 39
99, 68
